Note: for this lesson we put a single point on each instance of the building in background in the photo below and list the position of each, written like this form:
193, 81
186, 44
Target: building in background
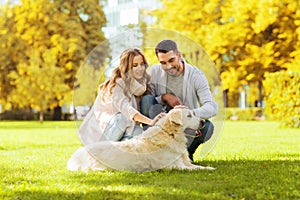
124, 16
122, 13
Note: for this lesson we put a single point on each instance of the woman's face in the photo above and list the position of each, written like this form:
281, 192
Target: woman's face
138, 68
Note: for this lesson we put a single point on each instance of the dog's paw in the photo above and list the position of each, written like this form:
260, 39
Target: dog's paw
199, 167
210, 168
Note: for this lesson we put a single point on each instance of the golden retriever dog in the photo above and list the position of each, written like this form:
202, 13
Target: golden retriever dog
160, 146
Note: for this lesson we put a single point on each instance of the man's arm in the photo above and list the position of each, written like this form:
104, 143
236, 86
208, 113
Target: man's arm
157, 82
208, 107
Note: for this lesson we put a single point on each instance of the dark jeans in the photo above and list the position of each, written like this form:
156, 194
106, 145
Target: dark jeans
193, 142
150, 107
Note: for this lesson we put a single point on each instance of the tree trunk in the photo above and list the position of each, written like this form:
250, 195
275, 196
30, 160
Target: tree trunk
41, 116
57, 113
260, 96
225, 98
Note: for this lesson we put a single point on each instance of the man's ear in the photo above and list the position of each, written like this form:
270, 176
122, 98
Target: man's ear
179, 55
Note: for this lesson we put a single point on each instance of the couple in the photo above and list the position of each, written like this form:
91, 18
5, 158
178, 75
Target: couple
132, 100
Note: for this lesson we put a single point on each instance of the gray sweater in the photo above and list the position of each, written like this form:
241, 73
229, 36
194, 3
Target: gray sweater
196, 92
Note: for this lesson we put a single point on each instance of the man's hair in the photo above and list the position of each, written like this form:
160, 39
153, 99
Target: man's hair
165, 46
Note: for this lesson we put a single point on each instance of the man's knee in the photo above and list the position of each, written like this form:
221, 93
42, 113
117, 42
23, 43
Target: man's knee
207, 131
145, 104
155, 110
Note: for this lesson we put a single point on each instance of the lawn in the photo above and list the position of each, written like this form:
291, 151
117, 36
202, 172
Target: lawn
254, 160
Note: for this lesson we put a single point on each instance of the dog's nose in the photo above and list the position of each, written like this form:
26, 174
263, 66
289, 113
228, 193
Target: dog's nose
202, 123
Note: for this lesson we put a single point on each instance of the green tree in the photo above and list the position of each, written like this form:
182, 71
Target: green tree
48, 41
246, 39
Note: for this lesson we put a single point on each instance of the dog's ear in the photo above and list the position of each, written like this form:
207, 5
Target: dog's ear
175, 116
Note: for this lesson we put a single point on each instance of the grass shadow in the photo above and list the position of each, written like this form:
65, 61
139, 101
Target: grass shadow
239, 179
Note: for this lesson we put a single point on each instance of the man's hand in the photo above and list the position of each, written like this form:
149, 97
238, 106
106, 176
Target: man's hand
171, 99
181, 107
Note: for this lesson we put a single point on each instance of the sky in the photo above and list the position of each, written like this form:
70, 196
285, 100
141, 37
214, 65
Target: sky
3, 1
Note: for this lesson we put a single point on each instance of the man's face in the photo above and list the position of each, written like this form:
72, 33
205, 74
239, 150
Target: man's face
170, 62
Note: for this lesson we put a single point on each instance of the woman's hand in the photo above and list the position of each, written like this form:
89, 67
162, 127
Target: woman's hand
155, 120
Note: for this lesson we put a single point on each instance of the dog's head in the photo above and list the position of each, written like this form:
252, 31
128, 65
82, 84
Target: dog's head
185, 118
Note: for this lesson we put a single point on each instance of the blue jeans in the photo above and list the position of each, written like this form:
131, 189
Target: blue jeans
116, 129
150, 107
136, 131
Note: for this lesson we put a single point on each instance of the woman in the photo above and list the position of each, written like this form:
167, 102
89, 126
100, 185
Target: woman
115, 114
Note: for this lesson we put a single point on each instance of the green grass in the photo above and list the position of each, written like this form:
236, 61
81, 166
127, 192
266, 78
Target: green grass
254, 160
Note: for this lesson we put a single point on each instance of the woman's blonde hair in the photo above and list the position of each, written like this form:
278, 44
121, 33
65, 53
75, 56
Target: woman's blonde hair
123, 71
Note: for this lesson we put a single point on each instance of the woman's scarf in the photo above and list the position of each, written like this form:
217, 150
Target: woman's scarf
136, 88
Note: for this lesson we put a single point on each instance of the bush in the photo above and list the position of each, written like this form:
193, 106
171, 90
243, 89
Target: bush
282, 97
18, 115
244, 114
27, 115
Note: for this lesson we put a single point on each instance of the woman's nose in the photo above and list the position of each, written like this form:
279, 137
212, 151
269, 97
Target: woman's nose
141, 66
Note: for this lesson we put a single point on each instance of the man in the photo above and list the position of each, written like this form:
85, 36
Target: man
176, 83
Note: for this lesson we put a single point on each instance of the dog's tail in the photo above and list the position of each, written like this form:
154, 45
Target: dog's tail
79, 161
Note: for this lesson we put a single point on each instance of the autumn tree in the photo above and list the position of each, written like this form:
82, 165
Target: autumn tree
9, 50
246, 39
283, 101
47, 41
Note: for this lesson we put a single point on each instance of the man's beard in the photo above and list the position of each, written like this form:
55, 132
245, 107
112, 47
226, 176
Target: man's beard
177, 68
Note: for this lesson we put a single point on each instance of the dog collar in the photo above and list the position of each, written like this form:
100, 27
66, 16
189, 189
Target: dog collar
164, 130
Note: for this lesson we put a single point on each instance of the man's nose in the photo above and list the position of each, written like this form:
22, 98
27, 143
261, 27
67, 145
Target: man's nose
169, 66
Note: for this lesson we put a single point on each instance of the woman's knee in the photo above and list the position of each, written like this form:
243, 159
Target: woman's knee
115, 128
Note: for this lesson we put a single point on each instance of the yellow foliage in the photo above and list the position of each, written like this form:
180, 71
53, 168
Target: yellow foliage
69, 65
283, 101
246, 39
43, 48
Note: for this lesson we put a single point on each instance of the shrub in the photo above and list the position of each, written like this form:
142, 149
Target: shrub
244, 114
282, 97
24, 115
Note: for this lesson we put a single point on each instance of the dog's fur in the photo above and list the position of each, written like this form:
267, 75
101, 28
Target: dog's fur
160, 146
